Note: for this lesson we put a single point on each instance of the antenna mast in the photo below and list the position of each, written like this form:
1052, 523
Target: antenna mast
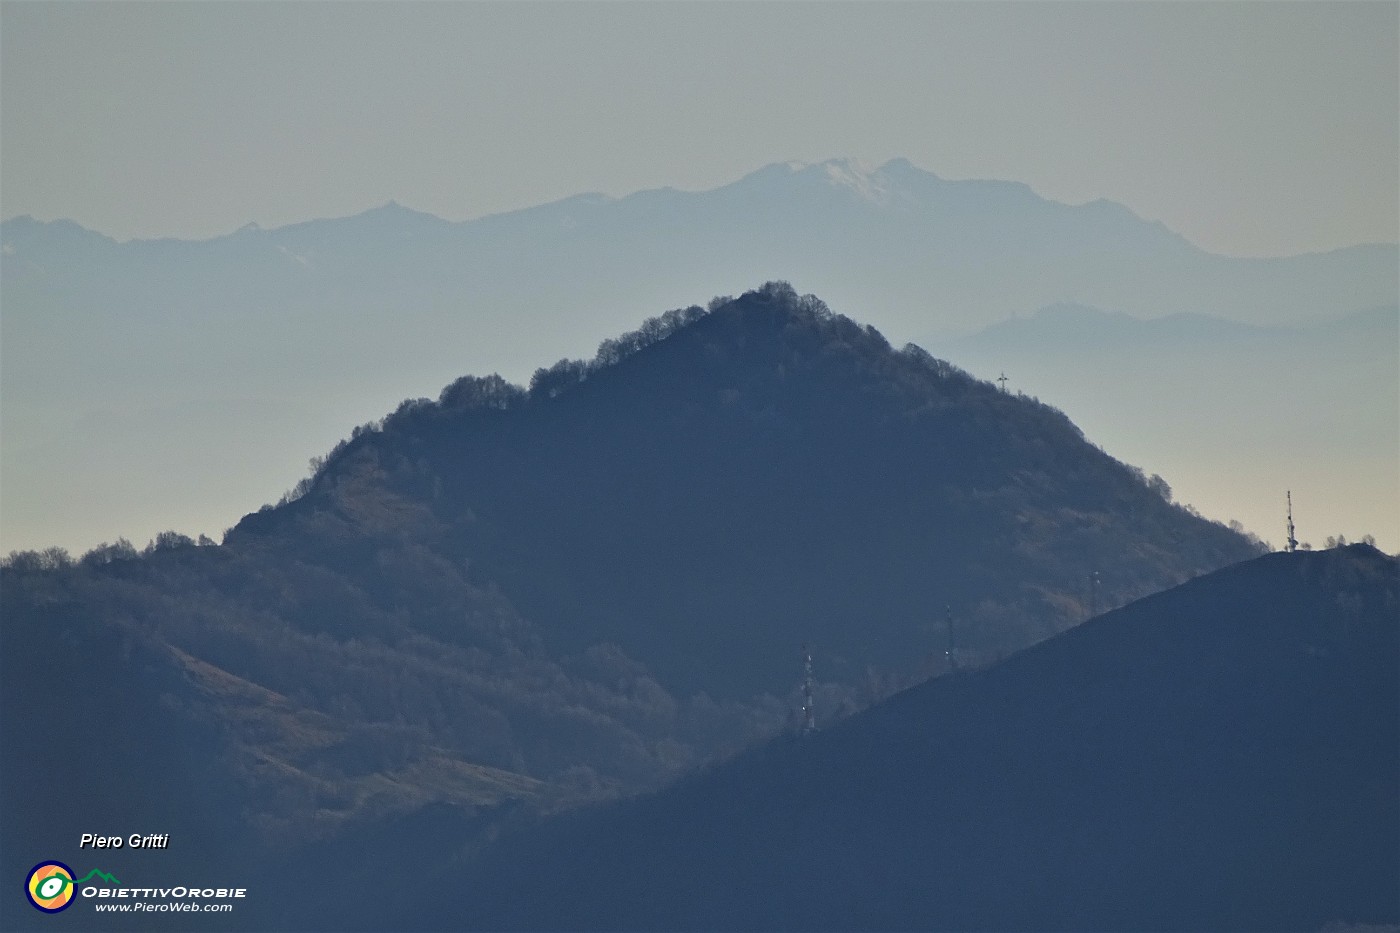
950, 652
1002, 380
1292, 544
809, 723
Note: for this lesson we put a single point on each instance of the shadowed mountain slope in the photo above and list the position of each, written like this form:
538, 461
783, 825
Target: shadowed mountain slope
1224, 755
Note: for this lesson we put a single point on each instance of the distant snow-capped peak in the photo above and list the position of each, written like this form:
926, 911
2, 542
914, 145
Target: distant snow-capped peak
867, 182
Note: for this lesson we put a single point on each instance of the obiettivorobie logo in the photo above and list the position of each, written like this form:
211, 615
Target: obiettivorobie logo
50, 886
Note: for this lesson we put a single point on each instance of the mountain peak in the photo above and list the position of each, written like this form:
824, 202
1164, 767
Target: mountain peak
899, 164
866, 182
393, 210
836, 165
770, 402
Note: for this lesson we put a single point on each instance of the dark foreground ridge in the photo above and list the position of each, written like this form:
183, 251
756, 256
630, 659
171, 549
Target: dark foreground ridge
1224, 755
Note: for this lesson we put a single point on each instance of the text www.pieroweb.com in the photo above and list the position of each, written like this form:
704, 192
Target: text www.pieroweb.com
182, 900
180, 907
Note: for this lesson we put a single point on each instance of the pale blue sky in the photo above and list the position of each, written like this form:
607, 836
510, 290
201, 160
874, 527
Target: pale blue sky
1251, 128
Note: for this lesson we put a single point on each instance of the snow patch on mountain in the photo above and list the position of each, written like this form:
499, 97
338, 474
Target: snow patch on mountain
870, 185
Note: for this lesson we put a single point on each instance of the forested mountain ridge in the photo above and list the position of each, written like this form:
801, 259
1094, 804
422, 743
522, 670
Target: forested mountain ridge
592, 585
764, 444
1221, 756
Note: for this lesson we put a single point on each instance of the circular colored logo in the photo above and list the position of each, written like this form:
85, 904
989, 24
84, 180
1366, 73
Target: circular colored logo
49, 886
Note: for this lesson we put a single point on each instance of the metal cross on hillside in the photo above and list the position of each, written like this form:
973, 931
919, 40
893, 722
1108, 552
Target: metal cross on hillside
1002, 380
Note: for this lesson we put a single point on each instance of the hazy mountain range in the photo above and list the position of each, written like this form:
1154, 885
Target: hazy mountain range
147, 357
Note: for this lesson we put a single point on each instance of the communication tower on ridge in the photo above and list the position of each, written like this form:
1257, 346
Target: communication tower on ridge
809, 723
1002, 380
1292, 544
